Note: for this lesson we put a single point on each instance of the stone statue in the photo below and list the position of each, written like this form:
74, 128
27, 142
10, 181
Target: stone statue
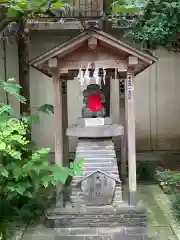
93, 100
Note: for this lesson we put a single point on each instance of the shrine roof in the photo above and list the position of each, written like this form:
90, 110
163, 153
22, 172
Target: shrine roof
103, 172
108, 41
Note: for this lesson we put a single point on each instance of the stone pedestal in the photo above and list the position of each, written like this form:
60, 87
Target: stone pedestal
95, 207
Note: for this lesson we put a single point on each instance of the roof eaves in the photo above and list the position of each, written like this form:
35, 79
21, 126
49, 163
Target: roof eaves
54, 51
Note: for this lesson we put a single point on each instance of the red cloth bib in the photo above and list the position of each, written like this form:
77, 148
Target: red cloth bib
94, 102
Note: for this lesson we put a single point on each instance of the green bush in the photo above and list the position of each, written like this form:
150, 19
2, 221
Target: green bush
25, 169
176, 205
170, 184
169, 181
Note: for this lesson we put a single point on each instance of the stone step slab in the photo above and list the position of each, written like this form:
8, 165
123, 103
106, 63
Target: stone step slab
104, 144
90, 147
102, 217
99, 158
99, 165
91, 160
105, 169
95, 155
96, 150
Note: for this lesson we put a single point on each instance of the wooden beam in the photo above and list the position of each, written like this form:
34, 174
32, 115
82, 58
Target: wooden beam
132, 61
67, 64
24, 78
130, 120
57, 95
62, 49
92, 43
108, 40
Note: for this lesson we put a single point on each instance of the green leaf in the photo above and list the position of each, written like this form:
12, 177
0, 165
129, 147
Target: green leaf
20, 189
125, 9
5, 109
46, 180
27, 194
46, 108
33, 119
17, 172
3, 171
15, 154
16, 8
76, 166
2, 146
60, 174
12, 88
40, 152
57, 4
12, 13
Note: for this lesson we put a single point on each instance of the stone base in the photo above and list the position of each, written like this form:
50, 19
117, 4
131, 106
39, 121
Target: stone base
108, 233
97, 217
104, 131
99, 222
89, 114
82, 122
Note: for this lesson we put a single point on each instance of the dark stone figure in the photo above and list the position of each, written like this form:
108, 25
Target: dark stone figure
93, 101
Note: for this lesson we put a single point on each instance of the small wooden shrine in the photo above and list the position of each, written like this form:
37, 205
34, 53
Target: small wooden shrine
101, 51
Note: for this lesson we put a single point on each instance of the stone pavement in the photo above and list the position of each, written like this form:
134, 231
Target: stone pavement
158, 229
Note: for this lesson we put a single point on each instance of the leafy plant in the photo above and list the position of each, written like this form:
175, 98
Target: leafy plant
124, 6
176, 205
24, 8
25, 169
170, 184
18, 9
159, 23
169, 181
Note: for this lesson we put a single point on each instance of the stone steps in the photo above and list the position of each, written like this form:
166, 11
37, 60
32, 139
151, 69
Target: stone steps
98, 155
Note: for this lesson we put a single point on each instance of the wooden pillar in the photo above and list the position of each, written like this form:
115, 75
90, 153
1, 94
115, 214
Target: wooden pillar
124, 155
65, 122
24, 78
115, 100
106, 88
130, 123
123, 138
57, 95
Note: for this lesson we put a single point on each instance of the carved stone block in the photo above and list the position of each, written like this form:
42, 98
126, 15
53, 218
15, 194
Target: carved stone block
98, 189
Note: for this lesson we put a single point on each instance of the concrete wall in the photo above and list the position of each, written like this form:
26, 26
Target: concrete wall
156, 96
41, 90
157, 104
